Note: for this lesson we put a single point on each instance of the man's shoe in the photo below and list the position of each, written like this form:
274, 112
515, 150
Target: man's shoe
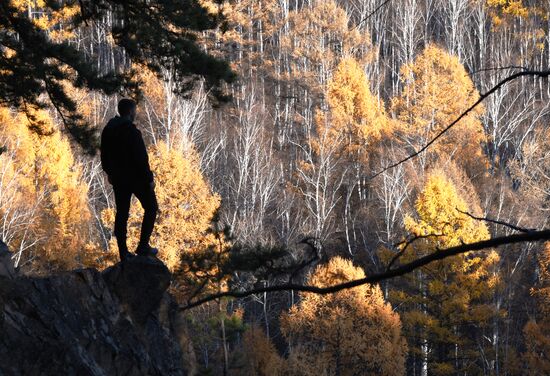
146, 251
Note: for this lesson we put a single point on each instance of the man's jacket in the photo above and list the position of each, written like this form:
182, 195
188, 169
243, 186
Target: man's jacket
123, 153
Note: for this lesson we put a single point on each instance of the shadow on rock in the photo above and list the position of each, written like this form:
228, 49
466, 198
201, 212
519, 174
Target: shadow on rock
82, 322
139, 283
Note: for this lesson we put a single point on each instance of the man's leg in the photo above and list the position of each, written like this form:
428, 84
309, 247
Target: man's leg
148, 200
123, 196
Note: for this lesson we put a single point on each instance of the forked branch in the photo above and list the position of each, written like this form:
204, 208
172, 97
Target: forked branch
542, 235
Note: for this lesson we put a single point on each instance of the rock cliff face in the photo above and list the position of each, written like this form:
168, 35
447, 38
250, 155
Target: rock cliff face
119, 322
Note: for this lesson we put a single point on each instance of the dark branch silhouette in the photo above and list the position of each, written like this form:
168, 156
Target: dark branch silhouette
482, 97
493, 69
371, 13
513, 227
542, 235
405, 244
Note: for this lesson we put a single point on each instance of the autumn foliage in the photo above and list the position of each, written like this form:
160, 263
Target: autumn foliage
447, 306
357, 330
436, 89
43, 193
537, 330
356, 118
328, 95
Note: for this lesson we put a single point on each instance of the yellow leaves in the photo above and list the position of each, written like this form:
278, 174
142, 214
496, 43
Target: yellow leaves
39, 120
502, 11
352, 104
452, 292
66, 212
356, 118
153, 90
55, 21
354, 326
186, 203
510, 7
436, 90
51, 185
339, 270
439, 208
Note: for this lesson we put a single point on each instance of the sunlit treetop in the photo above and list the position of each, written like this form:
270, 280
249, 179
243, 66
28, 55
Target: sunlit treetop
441, 210
436, 90
503, 9
356, 117
358, 332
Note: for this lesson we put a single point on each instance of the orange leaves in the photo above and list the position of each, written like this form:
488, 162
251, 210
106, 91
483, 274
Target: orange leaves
357, 330
436, 90
50, 179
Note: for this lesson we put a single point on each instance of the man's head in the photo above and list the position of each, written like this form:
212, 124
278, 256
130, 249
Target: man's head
127, 109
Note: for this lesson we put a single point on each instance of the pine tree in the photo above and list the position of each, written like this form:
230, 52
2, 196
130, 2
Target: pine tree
347, 333
36, 63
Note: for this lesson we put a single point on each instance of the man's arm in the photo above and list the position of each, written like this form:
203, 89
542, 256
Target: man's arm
141, 159
106, 158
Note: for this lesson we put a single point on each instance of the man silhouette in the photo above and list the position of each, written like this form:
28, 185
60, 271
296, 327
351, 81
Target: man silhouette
124, 159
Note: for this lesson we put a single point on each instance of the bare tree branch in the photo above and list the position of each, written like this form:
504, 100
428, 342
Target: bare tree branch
405, 244
371, 14
482, 97
542, 235
492, 69
513, 227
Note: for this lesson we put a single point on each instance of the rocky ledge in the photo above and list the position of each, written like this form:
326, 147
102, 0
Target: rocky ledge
118, 322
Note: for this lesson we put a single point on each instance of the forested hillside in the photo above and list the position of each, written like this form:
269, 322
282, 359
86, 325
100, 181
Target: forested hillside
275, 171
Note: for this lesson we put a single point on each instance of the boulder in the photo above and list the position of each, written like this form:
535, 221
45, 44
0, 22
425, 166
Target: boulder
139, 283
85, 322
7, 264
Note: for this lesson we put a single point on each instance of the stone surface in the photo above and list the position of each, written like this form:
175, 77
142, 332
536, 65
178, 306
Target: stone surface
139, 283
87, 323
7, 268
